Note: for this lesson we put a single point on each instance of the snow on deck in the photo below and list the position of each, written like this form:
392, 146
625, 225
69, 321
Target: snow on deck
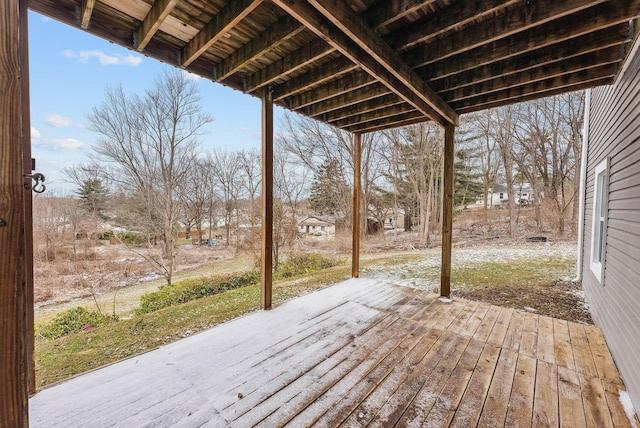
360, 352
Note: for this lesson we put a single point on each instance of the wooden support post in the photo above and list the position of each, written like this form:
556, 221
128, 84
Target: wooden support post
13, 335
447, 210
357, 187
266, 259
28, 199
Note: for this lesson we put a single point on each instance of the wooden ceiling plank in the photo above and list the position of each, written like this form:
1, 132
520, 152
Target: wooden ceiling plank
388, 122
160, 10
592, 43
228, 17
283, 29
387, 100
542, 94
516, 93
374, 115
342, 16
388, 12
516, 33
350, 82
315, 77
544, 72
447, 18
313, 20
289, 64
345, 100
87, 10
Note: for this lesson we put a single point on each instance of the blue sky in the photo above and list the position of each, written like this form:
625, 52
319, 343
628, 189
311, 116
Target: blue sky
69, 72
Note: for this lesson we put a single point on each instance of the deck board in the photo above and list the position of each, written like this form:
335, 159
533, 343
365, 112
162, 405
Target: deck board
362, 352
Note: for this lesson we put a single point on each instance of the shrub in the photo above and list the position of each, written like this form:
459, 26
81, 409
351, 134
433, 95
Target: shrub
303, 263
191, 289
72, 321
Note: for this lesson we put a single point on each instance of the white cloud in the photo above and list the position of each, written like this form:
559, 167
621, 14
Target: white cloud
190, 75
103, 58
58, 121
35, 133
58, 143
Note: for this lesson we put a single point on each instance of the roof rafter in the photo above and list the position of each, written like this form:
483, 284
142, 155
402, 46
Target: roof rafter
388, 12
362, 45
288, 64
364, 107
283, 29
350, 82
160, 10
87, 10
387, 111
529, 30
387, 122
345, 100
317, 76
228, 17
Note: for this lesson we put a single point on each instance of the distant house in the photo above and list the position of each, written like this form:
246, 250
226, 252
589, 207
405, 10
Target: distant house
317, 225
394, 219
498, 195
610, 220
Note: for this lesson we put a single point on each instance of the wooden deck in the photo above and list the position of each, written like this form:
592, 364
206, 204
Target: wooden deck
359, 353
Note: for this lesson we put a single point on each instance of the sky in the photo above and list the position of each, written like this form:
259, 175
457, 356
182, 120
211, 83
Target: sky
69, 73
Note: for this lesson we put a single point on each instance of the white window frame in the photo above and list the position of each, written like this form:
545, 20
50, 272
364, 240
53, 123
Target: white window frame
599, 219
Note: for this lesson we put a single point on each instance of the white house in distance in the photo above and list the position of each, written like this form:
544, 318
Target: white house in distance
498, 194
317, 225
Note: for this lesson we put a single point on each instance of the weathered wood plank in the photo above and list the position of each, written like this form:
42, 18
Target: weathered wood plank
595, 403
160, 10
570, 399
545, 348
582, 355
545, 402
486, 326
529, 345
605, 365
513, 336
563, 352
87, 10
357, 189
520, 409
494, 412
14, 356
475, 321
618, 415
500, 328
222, 22
470, 408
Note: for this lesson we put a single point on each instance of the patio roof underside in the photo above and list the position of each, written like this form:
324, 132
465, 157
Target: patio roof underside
366, 65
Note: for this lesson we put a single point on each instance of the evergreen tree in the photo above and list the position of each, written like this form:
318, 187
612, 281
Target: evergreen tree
329, 191
93, 195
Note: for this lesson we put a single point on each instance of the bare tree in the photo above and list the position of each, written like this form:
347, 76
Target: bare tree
504, 137
149, 143
196, 196
227, 170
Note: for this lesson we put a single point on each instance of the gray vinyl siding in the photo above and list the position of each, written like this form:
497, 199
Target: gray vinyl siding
614, 132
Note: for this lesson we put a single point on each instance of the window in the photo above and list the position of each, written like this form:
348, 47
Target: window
501, 195
598, 231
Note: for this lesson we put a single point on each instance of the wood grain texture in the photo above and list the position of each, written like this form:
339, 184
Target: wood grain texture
13, 335
266, 257
357, 189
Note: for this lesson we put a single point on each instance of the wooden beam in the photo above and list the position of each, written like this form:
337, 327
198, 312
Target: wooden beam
87, 10
357, 188
266, 259
28, 198
544, 72
373, 115
288, 64
14, 410
283, 29
342, 16
373, 55
322, 74
387, 12
597, 43
160, 10
515, 33
515, 94
388, 100
345, 100
388, 122
580, 86
228, 17
447, 211
396, 124
348, 83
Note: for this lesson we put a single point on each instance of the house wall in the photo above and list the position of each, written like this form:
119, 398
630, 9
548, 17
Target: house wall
614, 132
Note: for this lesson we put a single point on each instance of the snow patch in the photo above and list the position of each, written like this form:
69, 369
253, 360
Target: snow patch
627, 405
445, 299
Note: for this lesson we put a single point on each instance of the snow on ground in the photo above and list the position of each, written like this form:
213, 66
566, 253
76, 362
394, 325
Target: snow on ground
424, 272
